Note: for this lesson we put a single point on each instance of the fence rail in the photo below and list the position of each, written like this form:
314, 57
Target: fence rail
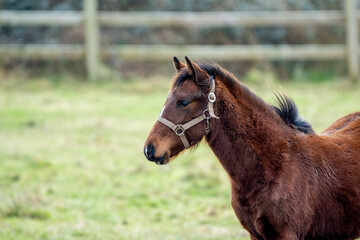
245, 19
91, 19
40, 18
175, 19
166, 52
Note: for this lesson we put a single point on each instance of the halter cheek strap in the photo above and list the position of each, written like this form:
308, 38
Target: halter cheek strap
180, 129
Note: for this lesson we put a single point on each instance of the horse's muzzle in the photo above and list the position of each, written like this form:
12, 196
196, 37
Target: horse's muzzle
149, 152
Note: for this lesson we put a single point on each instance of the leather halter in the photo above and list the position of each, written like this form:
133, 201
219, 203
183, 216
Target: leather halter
180, 129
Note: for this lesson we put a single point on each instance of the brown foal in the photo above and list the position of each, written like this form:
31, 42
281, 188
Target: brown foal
287, 182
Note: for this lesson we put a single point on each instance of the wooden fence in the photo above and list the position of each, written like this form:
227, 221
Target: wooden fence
91, 19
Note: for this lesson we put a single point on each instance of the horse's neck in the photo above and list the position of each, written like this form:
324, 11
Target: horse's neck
249, 138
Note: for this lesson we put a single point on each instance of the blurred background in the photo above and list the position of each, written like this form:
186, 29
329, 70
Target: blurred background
82, 83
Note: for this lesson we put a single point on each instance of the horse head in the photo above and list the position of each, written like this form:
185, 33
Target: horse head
184, 119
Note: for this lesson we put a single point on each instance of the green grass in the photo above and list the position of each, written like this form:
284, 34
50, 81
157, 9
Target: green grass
71, 162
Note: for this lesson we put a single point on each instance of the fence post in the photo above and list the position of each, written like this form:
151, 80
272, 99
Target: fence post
91, 39
352, 39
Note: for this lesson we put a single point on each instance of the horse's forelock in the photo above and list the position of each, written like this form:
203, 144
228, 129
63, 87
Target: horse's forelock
181, 77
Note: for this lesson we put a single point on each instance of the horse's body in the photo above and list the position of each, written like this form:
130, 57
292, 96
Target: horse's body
287, 181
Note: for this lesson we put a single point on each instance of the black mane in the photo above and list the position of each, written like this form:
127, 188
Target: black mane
211, 68
289, 113
286, 107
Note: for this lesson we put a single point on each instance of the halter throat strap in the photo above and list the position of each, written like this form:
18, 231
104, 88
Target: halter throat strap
207, 114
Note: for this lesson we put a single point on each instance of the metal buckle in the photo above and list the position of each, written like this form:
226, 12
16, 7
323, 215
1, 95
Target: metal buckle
212, 97
207, 114
179, 130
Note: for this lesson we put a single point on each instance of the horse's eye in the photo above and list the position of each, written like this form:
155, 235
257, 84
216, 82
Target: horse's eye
183, 103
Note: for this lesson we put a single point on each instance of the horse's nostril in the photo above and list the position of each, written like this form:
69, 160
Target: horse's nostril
149, 152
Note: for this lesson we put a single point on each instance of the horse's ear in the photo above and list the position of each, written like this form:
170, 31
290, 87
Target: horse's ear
178, 65
190, 67
196, 72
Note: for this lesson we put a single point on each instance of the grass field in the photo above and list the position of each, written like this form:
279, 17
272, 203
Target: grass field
71, 162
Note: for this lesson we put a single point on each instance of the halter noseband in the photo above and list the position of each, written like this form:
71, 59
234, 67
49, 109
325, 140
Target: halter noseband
180, 129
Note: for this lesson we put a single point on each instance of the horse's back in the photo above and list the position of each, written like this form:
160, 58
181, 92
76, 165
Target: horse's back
349, 124
337, 151
342, 140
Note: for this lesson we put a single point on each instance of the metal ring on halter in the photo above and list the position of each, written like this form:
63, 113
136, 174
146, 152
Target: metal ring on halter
207, 114
212, 97
179, 130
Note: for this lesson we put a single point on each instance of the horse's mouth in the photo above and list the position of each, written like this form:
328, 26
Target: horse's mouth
163, 160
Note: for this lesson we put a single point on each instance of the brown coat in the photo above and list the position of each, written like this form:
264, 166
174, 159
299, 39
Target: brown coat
287, 181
